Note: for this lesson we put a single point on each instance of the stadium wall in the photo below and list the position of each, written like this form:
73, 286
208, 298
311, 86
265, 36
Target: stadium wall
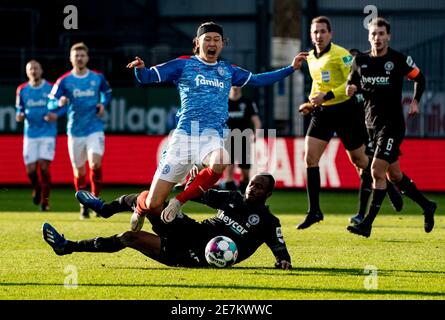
132, 160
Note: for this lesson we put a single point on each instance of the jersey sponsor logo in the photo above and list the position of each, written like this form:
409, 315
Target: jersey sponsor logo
253, 219
235, 226
36, 103
77, 93
325, 76
389, 66
347, 60
201, 80
375, 80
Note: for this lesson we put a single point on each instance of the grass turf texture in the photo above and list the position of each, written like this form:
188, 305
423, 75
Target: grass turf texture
328, 261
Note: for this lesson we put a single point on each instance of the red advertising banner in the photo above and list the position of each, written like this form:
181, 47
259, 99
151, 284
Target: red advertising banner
132, 159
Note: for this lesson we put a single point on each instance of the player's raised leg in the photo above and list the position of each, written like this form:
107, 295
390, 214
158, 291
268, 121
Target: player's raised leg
409, 188
217, 161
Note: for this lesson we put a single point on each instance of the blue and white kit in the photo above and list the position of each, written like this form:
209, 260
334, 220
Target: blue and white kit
204, 92
39, 140
84, 93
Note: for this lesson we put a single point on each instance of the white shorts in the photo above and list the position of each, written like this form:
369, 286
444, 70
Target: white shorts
38, 148
182, 153
80, 147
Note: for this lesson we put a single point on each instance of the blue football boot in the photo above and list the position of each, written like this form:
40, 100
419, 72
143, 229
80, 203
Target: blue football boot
54, 239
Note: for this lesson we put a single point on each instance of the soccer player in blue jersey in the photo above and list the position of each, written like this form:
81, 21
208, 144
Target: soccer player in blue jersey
203, 82
39, 141
83, 94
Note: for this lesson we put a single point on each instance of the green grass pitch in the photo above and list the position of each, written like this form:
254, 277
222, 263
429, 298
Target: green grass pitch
329, 262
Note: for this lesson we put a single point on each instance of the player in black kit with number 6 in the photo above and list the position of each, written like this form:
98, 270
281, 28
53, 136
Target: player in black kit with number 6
378, 75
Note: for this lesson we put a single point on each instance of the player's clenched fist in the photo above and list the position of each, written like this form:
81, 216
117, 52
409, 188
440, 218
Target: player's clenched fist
306, 108
351, 90
137, 63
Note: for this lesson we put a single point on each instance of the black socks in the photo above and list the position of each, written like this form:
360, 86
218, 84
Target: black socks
378, 196
99, 244
313, 188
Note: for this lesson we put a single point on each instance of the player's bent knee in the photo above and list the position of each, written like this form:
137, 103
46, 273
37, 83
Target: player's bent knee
128, 238
394, 177
311, 161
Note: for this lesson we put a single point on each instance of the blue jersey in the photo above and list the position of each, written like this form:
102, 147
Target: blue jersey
84, 93
33, 101
204, 89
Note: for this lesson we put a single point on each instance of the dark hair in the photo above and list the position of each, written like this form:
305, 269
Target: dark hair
380, 22
270, 179
322, 19
209, 26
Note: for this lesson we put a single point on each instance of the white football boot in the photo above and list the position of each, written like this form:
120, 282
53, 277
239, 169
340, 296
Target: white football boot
136, 221
171, 211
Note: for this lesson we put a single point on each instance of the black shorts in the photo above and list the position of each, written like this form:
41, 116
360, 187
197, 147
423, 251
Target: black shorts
385, 144
345, 119
183, 242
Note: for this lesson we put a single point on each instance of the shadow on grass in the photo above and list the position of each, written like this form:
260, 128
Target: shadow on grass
237, 287
294, 272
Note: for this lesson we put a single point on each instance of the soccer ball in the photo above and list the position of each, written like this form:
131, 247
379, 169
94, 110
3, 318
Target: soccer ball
221, 252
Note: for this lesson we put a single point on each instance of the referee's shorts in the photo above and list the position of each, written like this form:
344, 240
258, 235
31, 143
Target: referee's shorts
344, 119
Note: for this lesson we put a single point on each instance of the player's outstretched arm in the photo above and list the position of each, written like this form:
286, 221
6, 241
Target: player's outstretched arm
143, 74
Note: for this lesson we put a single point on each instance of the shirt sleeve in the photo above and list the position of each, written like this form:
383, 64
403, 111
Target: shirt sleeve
410, 70
215, 199
105, 91
275, 241
354, 76
243, 77
19, 103
344, 64
57, 91
166, 72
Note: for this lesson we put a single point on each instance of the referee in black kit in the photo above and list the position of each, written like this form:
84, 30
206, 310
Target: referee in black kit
379, 75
